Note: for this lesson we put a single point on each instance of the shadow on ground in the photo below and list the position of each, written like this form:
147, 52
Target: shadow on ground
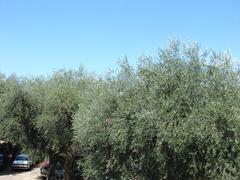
9, 170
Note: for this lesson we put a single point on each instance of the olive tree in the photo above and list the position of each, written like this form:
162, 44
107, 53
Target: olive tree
18, 111
54, 122
174, 117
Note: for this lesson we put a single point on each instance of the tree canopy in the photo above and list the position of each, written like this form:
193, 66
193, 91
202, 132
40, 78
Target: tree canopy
174, 116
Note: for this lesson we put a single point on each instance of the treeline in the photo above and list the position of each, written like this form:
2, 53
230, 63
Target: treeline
174, 116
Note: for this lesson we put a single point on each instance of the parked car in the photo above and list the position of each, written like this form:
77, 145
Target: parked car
2, 160
44, 168
22, 161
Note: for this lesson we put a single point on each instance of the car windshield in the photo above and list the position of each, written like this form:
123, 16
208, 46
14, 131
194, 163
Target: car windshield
21, 158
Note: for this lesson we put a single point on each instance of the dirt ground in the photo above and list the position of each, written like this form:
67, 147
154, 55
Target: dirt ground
8, 174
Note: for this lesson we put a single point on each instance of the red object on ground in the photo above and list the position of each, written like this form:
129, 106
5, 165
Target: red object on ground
42, 164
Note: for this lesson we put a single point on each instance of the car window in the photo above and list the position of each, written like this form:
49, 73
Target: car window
21, 158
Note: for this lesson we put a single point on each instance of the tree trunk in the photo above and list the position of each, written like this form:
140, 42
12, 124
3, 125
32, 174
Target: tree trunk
53, 158
51, 169
68, 168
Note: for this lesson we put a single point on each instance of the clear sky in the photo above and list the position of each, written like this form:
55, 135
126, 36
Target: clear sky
39, 36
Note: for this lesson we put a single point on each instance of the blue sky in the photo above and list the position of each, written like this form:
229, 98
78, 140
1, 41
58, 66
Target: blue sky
39, 36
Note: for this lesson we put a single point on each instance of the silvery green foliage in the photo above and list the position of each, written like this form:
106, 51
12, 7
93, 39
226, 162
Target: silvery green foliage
60, 97
18, 111
174, 117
